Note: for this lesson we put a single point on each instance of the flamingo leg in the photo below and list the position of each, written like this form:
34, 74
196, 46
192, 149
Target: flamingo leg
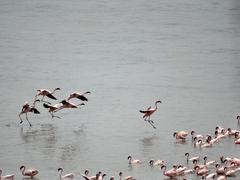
28, 120
54, 116
20, 117
152, 124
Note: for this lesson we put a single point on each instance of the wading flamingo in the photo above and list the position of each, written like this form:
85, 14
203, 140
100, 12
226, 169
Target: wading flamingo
180, 135
149, 112
26, 109
28, 172
197, 158
126, 178
45, 92
6, 177
66, 176
78, 95
86, 177
133, 161
170, 173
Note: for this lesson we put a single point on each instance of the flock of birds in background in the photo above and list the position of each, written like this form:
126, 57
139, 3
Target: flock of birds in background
226, 167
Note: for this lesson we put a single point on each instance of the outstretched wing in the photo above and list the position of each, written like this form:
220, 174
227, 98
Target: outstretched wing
35, 111
51, 96
83, 98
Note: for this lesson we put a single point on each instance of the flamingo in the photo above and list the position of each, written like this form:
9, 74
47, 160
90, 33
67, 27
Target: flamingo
78, 95
66, 104
26, 108
201, 171
133, 161
66, 176
7, 177
45, 92
170, 173
86, 177
127, 177
156, 163
192, 158
100, 176
198, 136
52, 109
209, 163
149, 112
111, 178
28, 172
180, 135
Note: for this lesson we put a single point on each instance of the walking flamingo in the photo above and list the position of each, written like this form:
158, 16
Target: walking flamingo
147, 113
26, 109
7, 177
66, 176
45, 92
78, 95
28, 172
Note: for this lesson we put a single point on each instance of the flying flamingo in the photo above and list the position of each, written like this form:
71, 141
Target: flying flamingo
28, 172
27, 108
79, 96
147, 113
9, 177
67, 176
52, 109
126, 178
45, 92
66, 104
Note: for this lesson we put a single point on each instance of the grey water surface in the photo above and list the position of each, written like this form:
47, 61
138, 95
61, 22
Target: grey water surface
128, 54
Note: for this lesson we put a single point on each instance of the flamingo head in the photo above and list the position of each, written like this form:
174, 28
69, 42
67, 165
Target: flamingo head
104, 175
151, 162
86, 172
174, 134
60, 169
158, 102
129, 157
112, 178
120, 174
57, 89
192, 132
163, 166
88, 92
205, 158
22, 167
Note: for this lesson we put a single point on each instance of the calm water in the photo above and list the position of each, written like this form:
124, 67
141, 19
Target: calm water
128, 54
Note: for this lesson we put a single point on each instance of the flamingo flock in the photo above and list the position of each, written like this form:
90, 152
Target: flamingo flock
200, 166
52, 109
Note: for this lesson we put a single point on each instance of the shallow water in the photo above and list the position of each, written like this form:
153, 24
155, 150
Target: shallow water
128, 54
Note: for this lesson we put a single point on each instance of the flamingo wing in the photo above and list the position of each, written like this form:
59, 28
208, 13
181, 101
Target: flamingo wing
35, 111
81, 97
51, 96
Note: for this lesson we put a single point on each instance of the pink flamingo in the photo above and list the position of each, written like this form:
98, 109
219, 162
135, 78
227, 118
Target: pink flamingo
68, 176
180, 135
127, 177
170, 173
45, 92
133, 161
52, 109
28, 172
79, 96
9, 177
66, 104
26, 109
147, 113
85, 176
